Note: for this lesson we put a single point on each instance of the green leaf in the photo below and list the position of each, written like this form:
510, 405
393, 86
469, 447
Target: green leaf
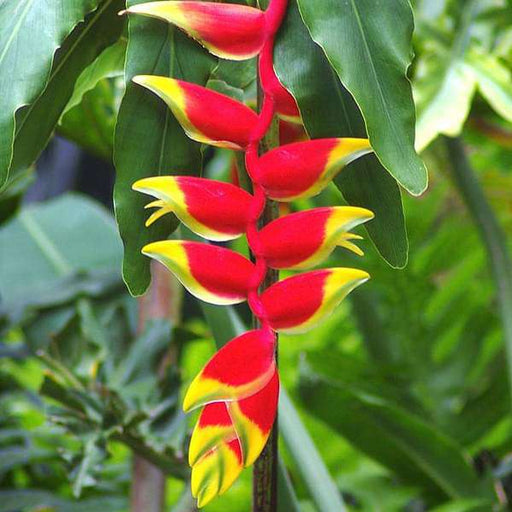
90, 116
445, 85
15, 456
93, 454
370, 50
50, 244
108, 64
34, 499
494, 80
148, 139
464, 506
322, 488
91, 124
328, 110
30, 35
418, 453
12, 193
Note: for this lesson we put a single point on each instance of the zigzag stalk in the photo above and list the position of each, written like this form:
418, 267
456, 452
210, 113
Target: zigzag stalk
275, 14
265, 470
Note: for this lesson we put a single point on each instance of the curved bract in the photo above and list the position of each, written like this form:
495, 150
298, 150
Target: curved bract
212, 209
238, 388
301, 302
227, 376
229, 31
213, 274
303, 169
197, 109
303, 240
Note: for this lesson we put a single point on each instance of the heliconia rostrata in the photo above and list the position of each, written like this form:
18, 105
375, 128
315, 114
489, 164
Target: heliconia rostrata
238, 389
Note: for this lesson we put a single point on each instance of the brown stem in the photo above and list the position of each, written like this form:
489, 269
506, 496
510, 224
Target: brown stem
148, 480
266, 467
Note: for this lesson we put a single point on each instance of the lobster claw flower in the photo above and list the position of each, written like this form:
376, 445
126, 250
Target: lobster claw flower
229, 376
299, 303
213, 209
229, 31
253, 419
210, 273
205, 115
304, 169
216, 471
284, 245
229, 436
213, 427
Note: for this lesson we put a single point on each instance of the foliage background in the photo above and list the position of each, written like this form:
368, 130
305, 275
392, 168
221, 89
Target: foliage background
404, 391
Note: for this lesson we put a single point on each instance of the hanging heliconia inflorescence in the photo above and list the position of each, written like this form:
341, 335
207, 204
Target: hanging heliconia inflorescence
238, 389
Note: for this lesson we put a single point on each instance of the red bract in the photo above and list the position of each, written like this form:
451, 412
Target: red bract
213, 209
299, 303
227, 376
229, 31
304, 169
304, 239
197, 109
213, 274
238, 388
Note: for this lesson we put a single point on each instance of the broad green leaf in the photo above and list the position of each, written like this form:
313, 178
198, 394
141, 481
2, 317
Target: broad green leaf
328, 110
90, 116
418, 453
444, 84
92, 122
148, 139
30, 34
494, 80
108, 64
444, 92
36, 122
34, 499
64, 243
370, 50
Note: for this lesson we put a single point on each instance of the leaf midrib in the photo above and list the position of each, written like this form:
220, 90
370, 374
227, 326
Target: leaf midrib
61, 265
16, 30
372, 67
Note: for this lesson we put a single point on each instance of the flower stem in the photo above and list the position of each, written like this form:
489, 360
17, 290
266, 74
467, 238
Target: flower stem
492, 236
266, 467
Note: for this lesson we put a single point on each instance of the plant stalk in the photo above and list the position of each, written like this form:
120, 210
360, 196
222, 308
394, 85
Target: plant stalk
492, 236
265, 481
148, 480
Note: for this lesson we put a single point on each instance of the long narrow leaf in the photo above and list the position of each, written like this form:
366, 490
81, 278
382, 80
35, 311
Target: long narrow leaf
324, 492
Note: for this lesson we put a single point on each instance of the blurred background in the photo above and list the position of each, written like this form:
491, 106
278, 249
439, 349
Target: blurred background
405, 391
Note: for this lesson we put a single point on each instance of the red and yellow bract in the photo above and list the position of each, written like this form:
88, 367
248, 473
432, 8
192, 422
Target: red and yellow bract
238, 388
304, 169
197, 109
212, 209
229, 31
284, 244
213, 274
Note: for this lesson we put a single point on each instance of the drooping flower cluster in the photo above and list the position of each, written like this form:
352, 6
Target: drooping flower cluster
238, 389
